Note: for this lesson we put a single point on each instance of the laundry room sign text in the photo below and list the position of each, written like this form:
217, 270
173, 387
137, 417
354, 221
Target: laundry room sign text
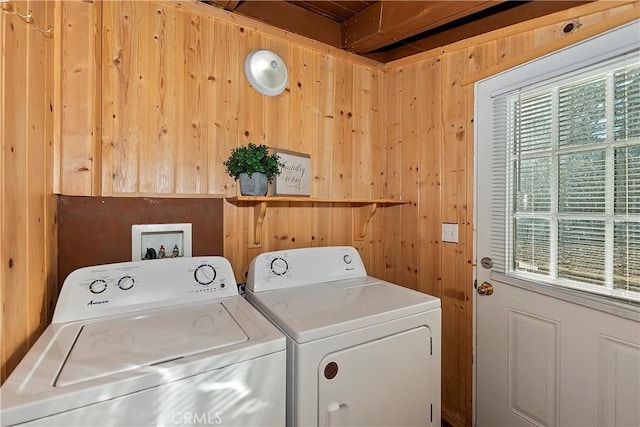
295, 174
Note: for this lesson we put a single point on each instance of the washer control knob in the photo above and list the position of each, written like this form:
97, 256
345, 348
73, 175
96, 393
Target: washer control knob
205, 274
347, 259
126, 282
98, 286
279, 266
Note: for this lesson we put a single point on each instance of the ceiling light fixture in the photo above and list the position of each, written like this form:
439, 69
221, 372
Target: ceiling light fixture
266, 72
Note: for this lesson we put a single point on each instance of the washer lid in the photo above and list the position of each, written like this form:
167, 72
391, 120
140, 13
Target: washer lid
104, 348
313, 312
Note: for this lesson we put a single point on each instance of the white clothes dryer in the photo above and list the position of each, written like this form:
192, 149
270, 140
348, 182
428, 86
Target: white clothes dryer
146, 343
360, 351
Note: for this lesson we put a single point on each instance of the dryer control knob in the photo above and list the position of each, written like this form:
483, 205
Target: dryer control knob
279, 266
205, 274
125, 283
347, 259
98, 286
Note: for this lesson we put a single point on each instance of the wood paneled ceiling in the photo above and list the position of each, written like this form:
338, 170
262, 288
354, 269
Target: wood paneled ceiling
387, 30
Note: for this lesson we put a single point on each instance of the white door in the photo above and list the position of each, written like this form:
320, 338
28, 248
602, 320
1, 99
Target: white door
546, 355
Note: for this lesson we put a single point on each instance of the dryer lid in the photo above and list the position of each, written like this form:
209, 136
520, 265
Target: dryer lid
309, 313
116, 345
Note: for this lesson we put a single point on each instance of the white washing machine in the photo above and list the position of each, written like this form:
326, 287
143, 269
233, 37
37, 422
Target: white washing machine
360, 351
146, 343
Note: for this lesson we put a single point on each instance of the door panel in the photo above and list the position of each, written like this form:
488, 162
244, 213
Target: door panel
532, 367
621, 377
517, 361
546, 361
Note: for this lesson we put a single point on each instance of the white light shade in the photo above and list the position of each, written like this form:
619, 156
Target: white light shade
266, 72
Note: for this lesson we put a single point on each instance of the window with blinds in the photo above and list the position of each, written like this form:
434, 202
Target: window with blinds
566, 178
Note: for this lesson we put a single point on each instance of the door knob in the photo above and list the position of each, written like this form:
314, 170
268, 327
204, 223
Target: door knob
485, 289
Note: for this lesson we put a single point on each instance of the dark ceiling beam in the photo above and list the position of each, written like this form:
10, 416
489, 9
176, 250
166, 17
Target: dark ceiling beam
513, 13
387, 22
291, 18
225, 4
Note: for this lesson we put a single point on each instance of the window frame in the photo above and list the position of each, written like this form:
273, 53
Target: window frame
515, 156
603, 47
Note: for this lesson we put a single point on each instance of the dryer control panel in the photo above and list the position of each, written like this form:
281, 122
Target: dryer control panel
304, 266
110, 289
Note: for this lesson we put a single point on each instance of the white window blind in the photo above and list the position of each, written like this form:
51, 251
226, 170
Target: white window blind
566, 180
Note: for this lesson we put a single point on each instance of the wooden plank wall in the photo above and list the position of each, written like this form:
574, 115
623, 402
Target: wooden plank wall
77, 119
27, 204
175, 101
430, 160
156, 98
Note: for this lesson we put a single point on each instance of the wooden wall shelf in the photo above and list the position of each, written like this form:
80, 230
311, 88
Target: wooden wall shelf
366, 209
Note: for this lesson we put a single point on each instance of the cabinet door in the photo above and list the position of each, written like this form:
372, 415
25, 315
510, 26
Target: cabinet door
379, 383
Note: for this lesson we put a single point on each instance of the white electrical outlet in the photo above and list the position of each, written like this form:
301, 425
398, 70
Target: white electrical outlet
160, 237
449, 232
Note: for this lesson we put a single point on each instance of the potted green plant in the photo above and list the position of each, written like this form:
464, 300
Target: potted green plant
254, 167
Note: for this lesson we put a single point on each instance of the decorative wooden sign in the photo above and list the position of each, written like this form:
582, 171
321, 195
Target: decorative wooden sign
295, 174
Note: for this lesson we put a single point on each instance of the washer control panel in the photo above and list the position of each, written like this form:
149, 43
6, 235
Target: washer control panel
299, 267
110, 289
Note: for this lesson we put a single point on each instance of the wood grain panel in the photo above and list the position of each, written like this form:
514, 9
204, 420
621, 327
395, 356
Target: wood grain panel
278, 119
378, 124
322, 143
430, 153
120, 53
191, 138
36, 180
362, 148
3, 350
431, 179
251, 124
110, 113
228, 105
301, 126
409, 168
79, 120
15, 265
27, 219
453, 205
214, 101
342, 157
50, 215
393, 183
510, 47
158, 153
